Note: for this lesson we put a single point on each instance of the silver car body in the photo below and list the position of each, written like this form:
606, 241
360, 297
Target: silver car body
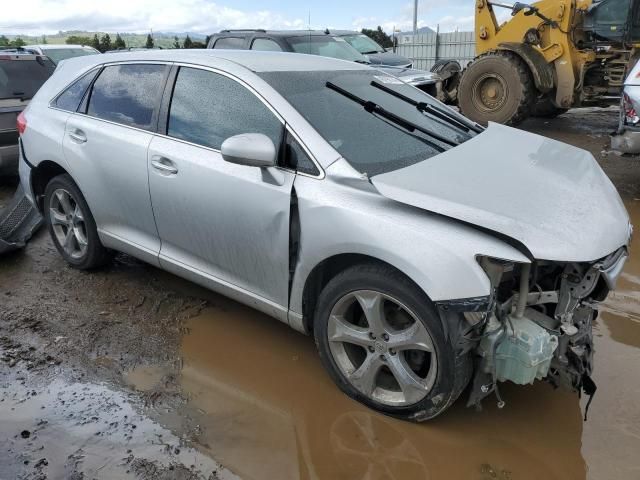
531, 198
61, 52
627, 137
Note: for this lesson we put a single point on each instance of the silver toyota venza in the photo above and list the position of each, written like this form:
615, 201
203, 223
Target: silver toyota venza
423, 252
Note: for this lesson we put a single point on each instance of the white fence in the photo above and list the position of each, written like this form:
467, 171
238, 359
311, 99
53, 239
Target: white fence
426, 49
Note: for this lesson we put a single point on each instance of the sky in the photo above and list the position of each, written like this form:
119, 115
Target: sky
209, 16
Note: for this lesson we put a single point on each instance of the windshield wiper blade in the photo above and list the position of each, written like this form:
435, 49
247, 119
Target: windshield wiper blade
372, 107
431, 109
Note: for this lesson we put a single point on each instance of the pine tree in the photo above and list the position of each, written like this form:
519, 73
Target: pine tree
176, 42
119, 42
188, 43
18, 42
150, 43
95, 43
4, 41
105, 43
44, 40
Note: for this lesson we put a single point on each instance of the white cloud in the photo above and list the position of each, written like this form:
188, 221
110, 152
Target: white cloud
202, 16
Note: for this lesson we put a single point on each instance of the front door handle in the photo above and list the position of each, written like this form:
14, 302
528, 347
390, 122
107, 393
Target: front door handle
163, 165
78, 136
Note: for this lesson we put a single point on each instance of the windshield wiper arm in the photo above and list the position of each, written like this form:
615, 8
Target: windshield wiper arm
431, 109
372, 107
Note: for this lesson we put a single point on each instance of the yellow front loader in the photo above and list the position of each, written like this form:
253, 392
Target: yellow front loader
548, 57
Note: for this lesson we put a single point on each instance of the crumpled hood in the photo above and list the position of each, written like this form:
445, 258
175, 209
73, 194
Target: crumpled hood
551, 197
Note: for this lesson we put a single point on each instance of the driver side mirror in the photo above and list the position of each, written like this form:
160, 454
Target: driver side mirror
250, 149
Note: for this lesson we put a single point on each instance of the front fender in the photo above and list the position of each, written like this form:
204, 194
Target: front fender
437, 253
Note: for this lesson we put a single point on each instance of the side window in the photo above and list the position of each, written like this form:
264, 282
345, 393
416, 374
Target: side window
229, 43
297, 159
207, 108
265, 45
128, 94
70, 99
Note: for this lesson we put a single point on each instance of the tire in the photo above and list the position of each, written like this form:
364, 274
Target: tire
544, 108
430, 392
450, 71
68, 217
497, 87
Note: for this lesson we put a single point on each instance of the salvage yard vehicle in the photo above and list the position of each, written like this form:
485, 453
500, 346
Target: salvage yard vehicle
376, 54
550, 56
324, 43
343, 202
57, 53
626, 139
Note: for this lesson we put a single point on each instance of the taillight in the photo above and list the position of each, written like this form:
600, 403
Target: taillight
21, 123
631, 116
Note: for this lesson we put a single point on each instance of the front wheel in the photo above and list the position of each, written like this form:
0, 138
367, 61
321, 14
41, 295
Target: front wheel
382, 341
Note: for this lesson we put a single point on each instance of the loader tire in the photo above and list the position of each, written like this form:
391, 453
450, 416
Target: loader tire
497, 87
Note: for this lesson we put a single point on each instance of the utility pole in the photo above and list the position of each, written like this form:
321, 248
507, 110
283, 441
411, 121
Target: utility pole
415, 17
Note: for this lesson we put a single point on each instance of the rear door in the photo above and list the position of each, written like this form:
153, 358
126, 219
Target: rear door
227, 223
106, 145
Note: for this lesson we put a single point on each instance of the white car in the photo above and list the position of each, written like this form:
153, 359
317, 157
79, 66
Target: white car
421, 250
57, 53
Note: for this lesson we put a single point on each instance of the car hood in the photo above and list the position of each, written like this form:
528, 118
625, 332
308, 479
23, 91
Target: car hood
551, 197
411, 75
388, 58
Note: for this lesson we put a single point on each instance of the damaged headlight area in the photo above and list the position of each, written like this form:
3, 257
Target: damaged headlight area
536, 324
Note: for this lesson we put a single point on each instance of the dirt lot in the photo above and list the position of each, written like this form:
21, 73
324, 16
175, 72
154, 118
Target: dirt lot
130, 372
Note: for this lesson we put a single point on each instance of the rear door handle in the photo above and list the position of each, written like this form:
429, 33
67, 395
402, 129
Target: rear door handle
163, 165
78, 136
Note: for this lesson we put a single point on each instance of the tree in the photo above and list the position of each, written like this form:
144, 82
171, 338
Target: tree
95, 43
4, 41
119, 42
198, 44
18, 42
150, 43
379, 36
188, 43
176, 42
78, 40
44, 40
105, 43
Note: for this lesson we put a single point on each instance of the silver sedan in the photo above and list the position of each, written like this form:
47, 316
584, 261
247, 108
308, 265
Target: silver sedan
421, 251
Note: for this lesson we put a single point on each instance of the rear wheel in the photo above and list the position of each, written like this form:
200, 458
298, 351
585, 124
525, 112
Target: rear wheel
497, 87
382, 341
450, 71
71, 225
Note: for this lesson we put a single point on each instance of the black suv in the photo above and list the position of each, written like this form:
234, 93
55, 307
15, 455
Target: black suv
21, 75
317, 42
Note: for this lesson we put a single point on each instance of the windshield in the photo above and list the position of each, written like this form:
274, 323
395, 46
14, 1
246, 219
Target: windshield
363, 44
326, 46
23, 78
372, 119
59, 54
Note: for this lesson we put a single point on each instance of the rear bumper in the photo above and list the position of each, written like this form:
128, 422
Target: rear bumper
24, 169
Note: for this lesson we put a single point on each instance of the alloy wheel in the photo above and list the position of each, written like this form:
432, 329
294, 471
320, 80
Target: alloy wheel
68, 223
382, 348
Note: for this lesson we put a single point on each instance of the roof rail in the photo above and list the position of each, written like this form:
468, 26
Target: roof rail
261, 30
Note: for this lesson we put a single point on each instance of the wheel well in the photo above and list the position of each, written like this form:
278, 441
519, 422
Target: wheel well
41, 176
324, 272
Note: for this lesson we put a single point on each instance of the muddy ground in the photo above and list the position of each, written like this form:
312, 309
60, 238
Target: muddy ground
130, 372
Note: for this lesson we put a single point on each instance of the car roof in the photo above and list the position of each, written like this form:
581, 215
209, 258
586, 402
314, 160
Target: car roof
12, 54
50, 46
282, 33
256, 61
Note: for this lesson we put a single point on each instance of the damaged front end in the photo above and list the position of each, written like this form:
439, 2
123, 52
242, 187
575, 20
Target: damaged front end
537, 324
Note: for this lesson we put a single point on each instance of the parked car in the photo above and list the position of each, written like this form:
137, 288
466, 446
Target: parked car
419, 249
627, 137
318, 42
21, 75
57, 53
377, 54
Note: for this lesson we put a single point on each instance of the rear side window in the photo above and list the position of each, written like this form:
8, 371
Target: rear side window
23, 78
70, 99
207, 108
128, 94
265, 45
229, 43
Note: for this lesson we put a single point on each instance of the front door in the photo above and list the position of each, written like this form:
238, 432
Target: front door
222, 220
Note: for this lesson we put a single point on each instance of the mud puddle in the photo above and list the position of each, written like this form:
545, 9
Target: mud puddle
69, 430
